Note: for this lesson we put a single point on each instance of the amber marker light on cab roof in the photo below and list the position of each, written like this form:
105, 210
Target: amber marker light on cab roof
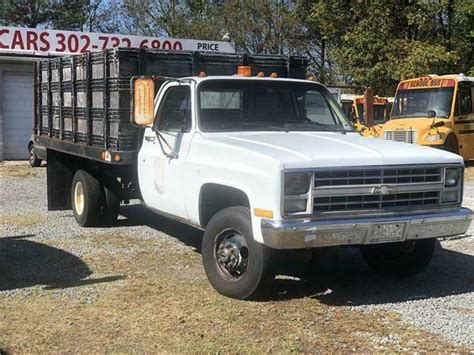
244, 70
274, 75
260, 74
202, 74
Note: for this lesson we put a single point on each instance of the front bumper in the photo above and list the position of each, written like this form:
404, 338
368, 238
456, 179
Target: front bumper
297, 234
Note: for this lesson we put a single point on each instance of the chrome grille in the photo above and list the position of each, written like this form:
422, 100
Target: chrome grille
377, 188
376, 202
402, 175
410, 136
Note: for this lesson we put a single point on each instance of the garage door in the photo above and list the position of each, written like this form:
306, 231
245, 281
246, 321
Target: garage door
17, 114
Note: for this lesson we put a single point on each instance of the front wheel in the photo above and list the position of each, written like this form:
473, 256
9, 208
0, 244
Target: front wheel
400, 259
235, 265
451, 145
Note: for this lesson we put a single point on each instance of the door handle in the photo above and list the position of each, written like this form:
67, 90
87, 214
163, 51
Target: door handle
150, 138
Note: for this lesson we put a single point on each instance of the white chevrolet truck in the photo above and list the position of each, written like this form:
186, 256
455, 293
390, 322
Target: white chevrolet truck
264, 163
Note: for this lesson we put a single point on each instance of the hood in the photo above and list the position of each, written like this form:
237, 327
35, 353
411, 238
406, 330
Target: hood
330, 149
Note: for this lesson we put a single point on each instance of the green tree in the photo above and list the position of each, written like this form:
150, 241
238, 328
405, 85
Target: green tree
254, 25
378, 43
27, 13
89, 15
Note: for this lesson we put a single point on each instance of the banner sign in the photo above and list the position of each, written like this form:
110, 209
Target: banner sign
50, 42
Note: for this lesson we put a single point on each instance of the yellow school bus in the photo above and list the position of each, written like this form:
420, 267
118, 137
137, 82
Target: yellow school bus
353, 107
436, 111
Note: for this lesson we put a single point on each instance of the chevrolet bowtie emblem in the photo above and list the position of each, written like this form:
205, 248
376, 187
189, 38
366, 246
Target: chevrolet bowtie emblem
383, 190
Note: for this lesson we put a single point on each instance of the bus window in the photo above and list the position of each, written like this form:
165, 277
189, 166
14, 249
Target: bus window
464, 101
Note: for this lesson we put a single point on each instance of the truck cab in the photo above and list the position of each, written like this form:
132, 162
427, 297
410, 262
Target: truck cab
435, 111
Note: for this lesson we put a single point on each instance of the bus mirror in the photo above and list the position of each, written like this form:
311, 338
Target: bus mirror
431, 113
143, 99
438, 124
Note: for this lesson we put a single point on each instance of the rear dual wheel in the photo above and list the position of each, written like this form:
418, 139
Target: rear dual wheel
400, 259
92, 203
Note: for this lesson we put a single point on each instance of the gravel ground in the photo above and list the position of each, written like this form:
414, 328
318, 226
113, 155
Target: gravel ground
440, 301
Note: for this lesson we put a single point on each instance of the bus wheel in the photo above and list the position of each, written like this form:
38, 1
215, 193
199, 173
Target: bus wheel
451, 145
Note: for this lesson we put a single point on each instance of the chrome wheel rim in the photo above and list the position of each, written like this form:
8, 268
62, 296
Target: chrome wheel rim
79, 198
231, 254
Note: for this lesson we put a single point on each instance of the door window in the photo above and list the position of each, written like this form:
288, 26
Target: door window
464, 102
174, 113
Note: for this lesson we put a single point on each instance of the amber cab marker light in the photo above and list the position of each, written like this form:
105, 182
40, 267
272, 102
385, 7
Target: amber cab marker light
117, 157
202, 74
274, 75
312, 78
244, 70
260, 74
263, 213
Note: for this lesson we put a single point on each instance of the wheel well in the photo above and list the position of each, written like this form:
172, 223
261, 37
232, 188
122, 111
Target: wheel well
215, 197
451, 138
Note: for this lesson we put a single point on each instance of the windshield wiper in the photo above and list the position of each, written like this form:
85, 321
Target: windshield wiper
312, 124
264, 125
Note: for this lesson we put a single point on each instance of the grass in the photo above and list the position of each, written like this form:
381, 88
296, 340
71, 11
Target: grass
17, 171
21, 220
165, 304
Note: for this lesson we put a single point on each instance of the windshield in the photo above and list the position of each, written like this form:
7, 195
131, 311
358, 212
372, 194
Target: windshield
251, 105
416, 102
379, 113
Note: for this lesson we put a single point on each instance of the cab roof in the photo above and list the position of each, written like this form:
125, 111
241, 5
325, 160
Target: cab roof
199, 79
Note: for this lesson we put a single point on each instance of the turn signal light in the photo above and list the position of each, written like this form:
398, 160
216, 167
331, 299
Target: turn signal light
263, 213
143, 101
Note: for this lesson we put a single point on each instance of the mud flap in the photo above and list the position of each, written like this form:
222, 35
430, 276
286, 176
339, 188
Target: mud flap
60, 172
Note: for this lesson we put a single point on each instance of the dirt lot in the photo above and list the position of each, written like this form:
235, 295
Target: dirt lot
140, 287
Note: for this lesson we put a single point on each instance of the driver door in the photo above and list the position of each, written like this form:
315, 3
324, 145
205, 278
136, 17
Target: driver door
164, 150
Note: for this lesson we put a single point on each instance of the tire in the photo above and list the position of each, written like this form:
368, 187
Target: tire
34, 160
400, 259
451, 145
229, 234
86, 199
110, 207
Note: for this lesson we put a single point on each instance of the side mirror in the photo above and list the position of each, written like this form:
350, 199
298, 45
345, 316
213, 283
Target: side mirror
431, 113
142, 108
438, 124
353, 117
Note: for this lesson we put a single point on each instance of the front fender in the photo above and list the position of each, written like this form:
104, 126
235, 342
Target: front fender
442, 133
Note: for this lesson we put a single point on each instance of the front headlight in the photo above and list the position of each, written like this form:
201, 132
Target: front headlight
452, 177
296, 183
433, 137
